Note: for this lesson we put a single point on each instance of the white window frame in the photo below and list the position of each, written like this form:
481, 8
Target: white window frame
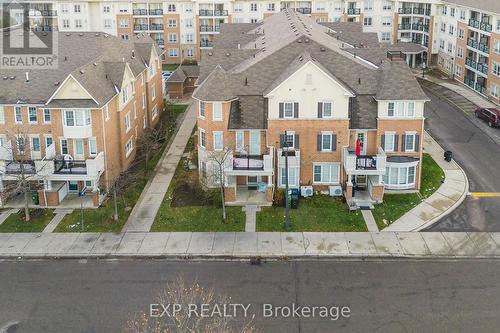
92, 146
386, 147
216, 134
412, 135
143, 101
334, 178
30, 109
127, 122
240, 140
217, 111
153, 92
129, 147
2, 115
397, 167
201, 109
45, 113
203, 138
83, 115
410, 111
46, 138
323, 136
154, 112
18, 113
323, 109
293, 181
284, 109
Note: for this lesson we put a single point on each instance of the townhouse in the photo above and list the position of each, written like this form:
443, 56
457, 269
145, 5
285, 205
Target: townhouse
462, 37
80, 119
349, 125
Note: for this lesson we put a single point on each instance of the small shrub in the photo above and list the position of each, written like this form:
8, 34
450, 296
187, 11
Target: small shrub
279, 198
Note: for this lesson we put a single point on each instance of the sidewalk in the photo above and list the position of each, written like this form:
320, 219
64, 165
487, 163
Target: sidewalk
143, 215
242, 245
448, 197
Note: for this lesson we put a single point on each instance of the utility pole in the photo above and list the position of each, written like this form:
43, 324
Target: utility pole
287, 203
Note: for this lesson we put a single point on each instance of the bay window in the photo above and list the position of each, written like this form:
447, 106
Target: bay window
400, 177
77, 118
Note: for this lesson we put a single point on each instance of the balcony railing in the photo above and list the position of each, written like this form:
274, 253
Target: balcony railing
404, 11
404, 26
156, 12
419, 11
206, 12
220, 12
480, 25
156, 27
45, 28
371, 164
35, 12
18, 167
303, 10
70, 167
91, 166
480, 89
206, 28
420, 27
206, 43
140, 27
353, 11
481, 67
475, 85
478, 46
251, 162
140, 12
160, 41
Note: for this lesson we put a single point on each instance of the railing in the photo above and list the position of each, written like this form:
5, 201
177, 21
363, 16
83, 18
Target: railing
141, 27
206, 28
480, 88
404, 11
478, 46
206, 43
364, 162
470, 82
418, 11
353, 11
206, 12
420, 27
303, 10
404, 26
220, 12
482, 67
249, 162
156, 12
156, 27
45, 28
18, 167
480, 25
70, 167
140, 12
160, 41
475, 85
35, 12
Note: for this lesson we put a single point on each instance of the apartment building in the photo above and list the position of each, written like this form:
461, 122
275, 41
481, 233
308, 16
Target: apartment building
76, 125
288, 82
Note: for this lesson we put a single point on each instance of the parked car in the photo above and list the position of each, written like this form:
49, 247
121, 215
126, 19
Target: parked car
490, 115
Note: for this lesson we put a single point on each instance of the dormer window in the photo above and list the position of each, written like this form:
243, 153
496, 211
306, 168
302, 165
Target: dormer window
124, 95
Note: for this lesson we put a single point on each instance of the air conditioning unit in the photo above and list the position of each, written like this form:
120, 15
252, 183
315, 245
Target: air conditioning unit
306, 191
335, 190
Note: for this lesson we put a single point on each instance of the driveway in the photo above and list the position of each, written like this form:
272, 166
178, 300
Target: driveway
476, 147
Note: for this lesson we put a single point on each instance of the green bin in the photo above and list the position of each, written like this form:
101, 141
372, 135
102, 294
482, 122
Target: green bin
34, 198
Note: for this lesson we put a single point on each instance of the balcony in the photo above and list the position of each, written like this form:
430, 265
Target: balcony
419, 11
42, 13
481, 67
156, 27
364, 164
206, 43
238, 164
474, 85
209, 12
206, 28
480, 25
478, 46
11, 167
156, 12
420, 27
160, 41
44, 28
353, 11
220, 13
303, 10
140, 12
404, 26
141, 27
404, 11
60, 168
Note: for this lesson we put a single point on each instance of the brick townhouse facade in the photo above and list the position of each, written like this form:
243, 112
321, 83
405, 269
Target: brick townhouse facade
286, 81
82, 118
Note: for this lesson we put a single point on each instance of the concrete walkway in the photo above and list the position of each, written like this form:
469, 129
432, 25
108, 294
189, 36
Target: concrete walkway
250, 217
369, 220
144, 212
239, 245
6, 214
448, 197
60, 213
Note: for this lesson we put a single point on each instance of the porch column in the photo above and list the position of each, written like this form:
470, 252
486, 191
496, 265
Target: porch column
48, 185
269, 180
413, 56
348, 187
380, 179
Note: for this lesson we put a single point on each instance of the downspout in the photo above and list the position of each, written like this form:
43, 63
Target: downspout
105, 153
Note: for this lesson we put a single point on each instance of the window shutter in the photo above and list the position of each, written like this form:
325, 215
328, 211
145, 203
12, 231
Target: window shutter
281, 115
296, 141
417, 142
396, 142
295, 110
282, 139
334, 142
320, 110
403, 142
318, 142
382, 141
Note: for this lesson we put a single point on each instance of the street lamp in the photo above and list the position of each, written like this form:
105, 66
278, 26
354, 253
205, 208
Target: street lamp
286, 152
423, 70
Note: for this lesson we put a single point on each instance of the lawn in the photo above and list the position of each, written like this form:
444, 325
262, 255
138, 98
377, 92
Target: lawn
169, 67
39, 220
101, 219
396, 205
318, 213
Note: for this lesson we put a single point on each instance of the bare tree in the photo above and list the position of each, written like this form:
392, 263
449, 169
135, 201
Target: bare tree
220, 158
184, 294
119, 187
149, 143
18, 154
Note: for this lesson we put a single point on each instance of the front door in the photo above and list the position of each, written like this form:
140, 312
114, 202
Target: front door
361, 182
254, 143
361, 137
252, 182
73, 186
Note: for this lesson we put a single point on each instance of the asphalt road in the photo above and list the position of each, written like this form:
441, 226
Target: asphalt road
383, 296
476, 147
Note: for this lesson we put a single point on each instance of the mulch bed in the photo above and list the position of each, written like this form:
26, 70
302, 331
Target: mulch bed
188, 192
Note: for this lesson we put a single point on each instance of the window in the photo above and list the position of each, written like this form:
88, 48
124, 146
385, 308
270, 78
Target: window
217, 111
494, 90
153, 92
450, 47
188, 8
143, 101
271, 7
218, 141
452, 12
77, 118
202, 109
203, 138
32, 114
238, 7
288, 110
18, 114
290, 139
326, 173
400, 177
368, 5
135, 110
173, 52
386, 36
78, 23
327, 109
144, 121
451, 30
496, 46
461, 33
123, 23
2, 115
410, 110
92, 146
124, 37
326, 141
172, 23
441, 44
35, 144
106, 112
496, 68
127, 122
65, 8
172, 38
367, 21
78, 146
240, 140
105, 9
389, 142
129, 146
462, 15
124, 95
107, 24
400, 111
171, 8
409, 142
292, 177
444, 10
154, 112
460, 52
65, 23
190, 53
387, 5
458, 70
253, 7
387, 21
123, 9
498, 25
188, 22
64, 146
48, 140
253, 20
390, 109
78, 9
46, 116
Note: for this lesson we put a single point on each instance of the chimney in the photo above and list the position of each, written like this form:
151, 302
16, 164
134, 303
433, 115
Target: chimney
27, 77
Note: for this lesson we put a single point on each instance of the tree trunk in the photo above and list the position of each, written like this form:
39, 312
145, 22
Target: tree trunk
146, 157
222, 195
115, 215
26, 205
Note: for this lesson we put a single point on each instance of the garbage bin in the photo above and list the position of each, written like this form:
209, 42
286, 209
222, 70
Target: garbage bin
34, 198
294, 198
448, 156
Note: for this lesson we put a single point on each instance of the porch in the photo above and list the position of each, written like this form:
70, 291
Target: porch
363, 191
71, 200
243, 190
245, 196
